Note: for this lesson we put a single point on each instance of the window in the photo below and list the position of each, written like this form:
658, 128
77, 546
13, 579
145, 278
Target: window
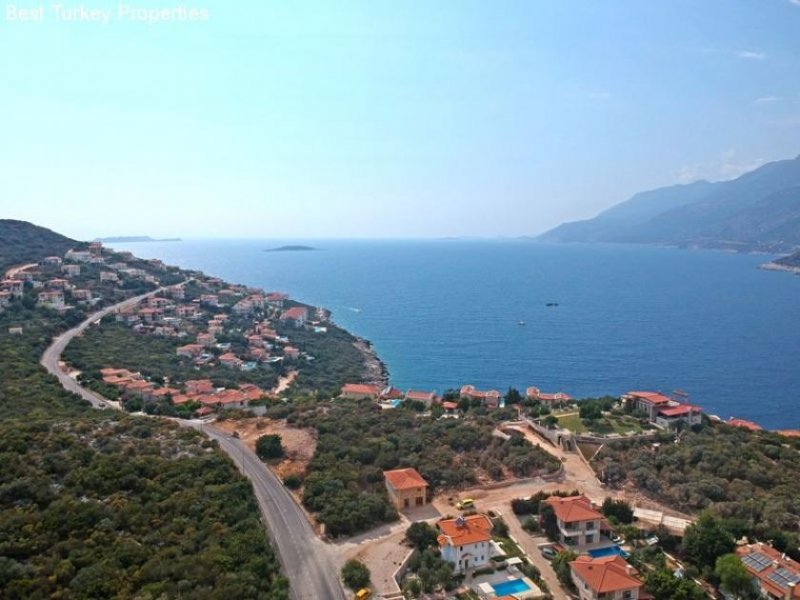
627, 594
590, 525
589, 538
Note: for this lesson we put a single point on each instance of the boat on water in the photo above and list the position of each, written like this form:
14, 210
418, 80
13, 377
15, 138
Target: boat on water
521, 323
552, 304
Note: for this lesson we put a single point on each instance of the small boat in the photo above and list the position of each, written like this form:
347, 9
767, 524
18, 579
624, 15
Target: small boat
521, 323
551, 304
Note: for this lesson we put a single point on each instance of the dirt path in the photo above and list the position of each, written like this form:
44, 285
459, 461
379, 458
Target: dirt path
284, 382
14, 270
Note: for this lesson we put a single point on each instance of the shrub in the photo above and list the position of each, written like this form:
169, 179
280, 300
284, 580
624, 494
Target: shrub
355, 574
269, 446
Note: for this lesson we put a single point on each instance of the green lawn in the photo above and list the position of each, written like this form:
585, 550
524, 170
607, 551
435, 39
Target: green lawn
572, 422
621, 424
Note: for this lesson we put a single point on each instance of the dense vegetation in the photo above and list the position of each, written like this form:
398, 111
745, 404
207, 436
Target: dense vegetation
336, 359
748, 478
98, 504
358, 441
22, 242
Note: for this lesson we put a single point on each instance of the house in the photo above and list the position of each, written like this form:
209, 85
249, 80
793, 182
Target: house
291, 353
662, 410
71, 270
534, 393
109, 276
57, 284
230, 360
579, 523
296, 315
157, 302
227, 399
774, 574
209, 299
96, 249
406, 488
190, 350
426, 398
450, 407
5, 299
15, 331
51, 299
206, 339
13, 286
199, 386
78, 255
466, 541
139, 387
360, 391
392, 393
84, 295
187, 311
51, 261
490, 399
609, 578
276, 299
150, 315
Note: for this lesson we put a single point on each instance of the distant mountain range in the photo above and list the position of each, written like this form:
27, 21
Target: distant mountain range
758, 211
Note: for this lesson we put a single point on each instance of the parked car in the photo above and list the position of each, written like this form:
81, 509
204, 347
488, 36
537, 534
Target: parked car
363, 594
465, 503
549, 552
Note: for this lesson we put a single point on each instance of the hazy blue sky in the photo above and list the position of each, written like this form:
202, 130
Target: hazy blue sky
385, 118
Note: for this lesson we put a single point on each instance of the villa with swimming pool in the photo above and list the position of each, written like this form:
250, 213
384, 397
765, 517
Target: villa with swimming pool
581, 527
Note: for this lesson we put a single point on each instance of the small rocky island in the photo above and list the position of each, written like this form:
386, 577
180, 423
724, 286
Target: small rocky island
789, 263
293, 248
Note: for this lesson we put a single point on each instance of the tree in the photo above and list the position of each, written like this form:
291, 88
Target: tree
733, 577
513, 396
547, 516
618, 510
562, 568
355, 574
421, 535
665, 586
706, 540
269, 446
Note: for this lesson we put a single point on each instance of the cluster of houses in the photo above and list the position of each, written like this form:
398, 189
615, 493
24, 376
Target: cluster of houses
661, 410
206, 320
200, 392
54, 277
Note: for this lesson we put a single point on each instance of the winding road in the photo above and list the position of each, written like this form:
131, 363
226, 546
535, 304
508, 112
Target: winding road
303, 556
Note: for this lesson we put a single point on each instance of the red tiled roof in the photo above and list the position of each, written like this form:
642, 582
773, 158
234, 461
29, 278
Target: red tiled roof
607, 574
573, 509
651, 397
772, 561
296, 312
360, 388
677, 411
417, 395
789, 432
465, 530
450, 405
404, 479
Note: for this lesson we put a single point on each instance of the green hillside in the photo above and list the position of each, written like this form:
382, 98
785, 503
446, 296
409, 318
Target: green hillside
22, 242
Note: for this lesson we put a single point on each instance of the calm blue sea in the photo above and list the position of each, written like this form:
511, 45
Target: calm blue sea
445, 313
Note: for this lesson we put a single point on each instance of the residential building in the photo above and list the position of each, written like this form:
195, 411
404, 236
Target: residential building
175, 292
466, 542
51, 299
190, 350
426, 398
774, 574
579, 523
57, 284
490, 399
534, 393
187, 311
13, 286
5, 299
291, 353
209, 299
406, 488
297, 316
206, 339
199, 386
109, 276
276, 299
230, 360
83, 295
51, 261
360, 391
749, 425
607, 578
96, 249
71, 270
662, 410
78, 255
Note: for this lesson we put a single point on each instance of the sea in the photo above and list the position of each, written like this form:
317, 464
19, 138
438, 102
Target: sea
443, 313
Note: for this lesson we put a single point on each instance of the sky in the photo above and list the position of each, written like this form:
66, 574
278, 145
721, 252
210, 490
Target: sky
382, 119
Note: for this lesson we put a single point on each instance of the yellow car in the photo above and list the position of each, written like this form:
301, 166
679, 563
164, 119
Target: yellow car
363, 594
465, 504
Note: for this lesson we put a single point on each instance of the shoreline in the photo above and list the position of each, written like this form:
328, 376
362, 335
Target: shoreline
375, 370
774, 266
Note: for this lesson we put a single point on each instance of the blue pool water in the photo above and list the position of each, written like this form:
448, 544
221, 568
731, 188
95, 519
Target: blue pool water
396, 403
610, 551
510, 587
445, 313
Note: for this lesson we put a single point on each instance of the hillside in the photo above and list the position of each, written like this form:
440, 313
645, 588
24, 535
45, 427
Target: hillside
99, 504
22, 242
758, 211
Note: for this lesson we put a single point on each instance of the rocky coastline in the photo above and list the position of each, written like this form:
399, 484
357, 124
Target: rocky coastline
375, 370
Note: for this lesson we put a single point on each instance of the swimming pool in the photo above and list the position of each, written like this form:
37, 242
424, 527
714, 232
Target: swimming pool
511, 586
396, 403
609, 551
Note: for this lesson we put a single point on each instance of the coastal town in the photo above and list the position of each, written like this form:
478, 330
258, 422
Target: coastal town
235, 356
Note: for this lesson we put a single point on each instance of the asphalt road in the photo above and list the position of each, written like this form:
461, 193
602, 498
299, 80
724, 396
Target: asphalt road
303, 556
